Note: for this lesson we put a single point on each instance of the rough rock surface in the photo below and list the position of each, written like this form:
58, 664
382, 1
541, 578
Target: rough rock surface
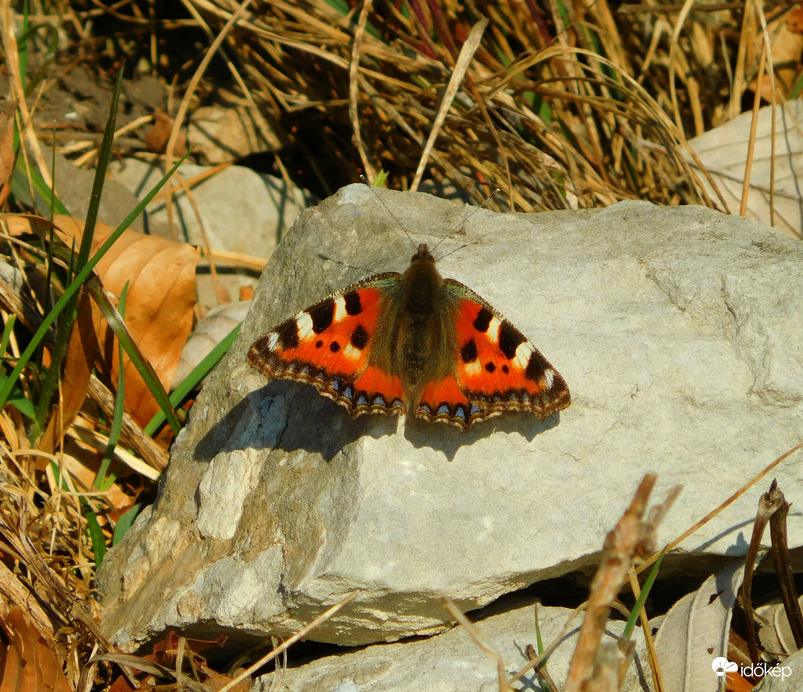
678, 331
453, 661
241, 211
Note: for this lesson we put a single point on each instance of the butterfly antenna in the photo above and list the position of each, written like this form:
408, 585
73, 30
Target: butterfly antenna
387, 208
463, 222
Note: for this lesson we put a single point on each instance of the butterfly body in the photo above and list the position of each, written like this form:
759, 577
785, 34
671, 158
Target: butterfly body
412, 343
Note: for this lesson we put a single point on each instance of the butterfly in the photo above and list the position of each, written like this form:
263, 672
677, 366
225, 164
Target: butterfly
412, 343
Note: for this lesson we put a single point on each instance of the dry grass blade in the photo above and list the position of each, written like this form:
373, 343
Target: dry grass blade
708, 517
783, 568
633, 538
354, 88
479, 640
524, 94
303, 632
188, 94
768, 504
8, 22
648, 638
463, 61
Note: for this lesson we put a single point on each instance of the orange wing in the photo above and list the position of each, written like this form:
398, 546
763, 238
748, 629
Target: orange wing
496, 368
329, 344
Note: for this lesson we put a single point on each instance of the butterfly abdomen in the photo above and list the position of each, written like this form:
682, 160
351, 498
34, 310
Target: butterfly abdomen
421, 352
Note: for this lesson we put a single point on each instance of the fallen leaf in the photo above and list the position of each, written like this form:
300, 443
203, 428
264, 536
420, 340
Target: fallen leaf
29, 661
786, 46
159, 308
82, 350
157, 137
695, 632
6, 148
723, 151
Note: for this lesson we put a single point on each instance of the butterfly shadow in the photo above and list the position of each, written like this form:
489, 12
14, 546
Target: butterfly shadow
448, 439
295, 417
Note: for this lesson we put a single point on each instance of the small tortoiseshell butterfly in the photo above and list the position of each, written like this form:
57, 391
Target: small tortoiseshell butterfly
412, 343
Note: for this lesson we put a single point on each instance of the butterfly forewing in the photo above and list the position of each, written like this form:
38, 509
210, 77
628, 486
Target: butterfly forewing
330, 344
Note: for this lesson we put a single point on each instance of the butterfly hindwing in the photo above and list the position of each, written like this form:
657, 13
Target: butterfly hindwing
329, 346
496, 368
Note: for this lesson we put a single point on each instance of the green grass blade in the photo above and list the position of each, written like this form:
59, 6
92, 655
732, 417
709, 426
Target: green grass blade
124, 523
80, 277
191, 381
7, 331
645, 591
67, 316
95, 534
19, 401
101, 480
143, 367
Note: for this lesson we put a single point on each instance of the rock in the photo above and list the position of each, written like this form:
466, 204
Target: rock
678, 331
453, 661
242, 212
221, 134
73, 185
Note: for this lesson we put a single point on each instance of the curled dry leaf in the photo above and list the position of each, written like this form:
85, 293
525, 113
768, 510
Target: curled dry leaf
723, 151
157, 137
29, 659
159, 307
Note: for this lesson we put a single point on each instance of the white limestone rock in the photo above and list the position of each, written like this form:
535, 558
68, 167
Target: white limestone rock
452, 661
678, 331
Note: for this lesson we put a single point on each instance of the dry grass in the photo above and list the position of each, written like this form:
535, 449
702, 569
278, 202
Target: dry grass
560, 106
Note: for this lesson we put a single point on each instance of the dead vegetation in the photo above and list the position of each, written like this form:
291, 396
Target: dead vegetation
560, 106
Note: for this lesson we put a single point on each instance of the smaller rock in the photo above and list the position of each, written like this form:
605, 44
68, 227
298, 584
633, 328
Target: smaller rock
453, 661
221, 135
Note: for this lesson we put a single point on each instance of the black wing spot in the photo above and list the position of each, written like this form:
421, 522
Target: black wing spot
509, 340
483, 319
469, 351
490, 367
505, 369
322, 315
353, 305
318, 343
535, 368
359, 337
334, 347
288, 334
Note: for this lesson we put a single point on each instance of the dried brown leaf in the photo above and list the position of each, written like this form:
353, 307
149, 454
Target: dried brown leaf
82, 350
159, 308
156, 138
30, 661
6, 148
